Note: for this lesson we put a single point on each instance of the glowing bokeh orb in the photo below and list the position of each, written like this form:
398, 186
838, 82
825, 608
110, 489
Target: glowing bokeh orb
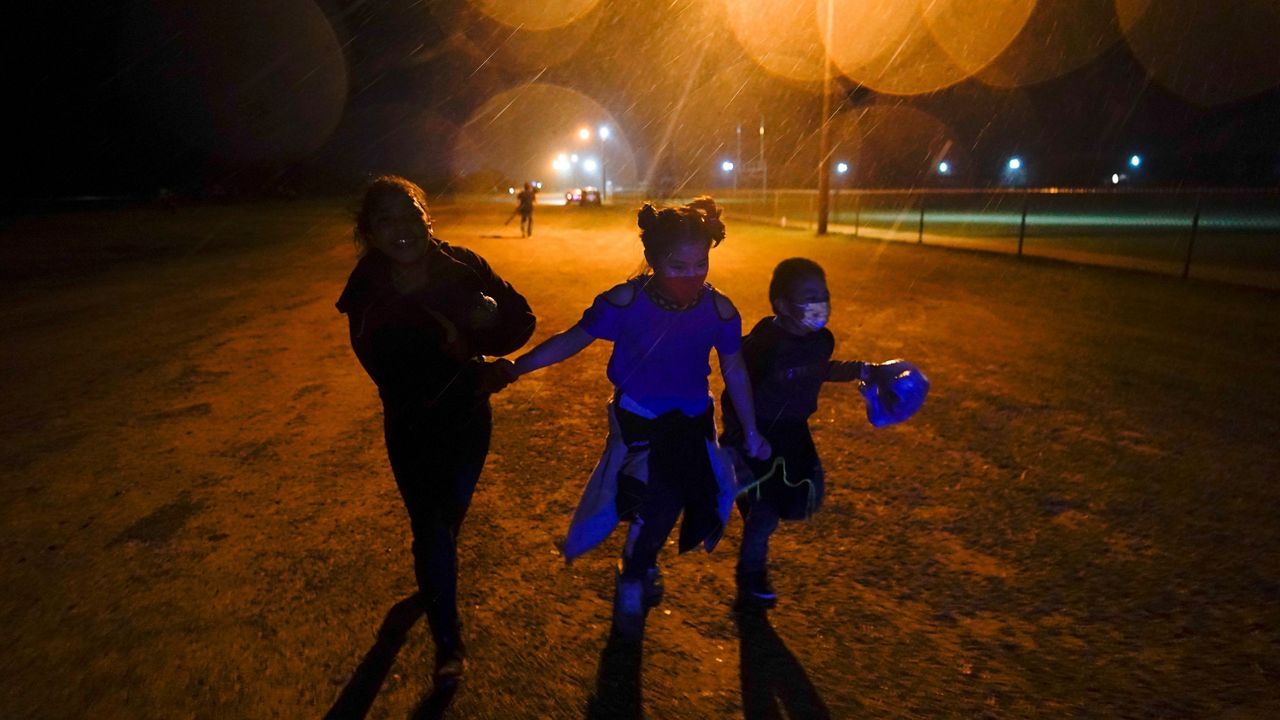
490, 43
1207, 51
1058, 37
973, 34
535, 14
522, 131
244, 81
779, 35
909, 48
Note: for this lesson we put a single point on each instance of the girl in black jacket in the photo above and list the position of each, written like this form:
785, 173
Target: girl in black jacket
422, 315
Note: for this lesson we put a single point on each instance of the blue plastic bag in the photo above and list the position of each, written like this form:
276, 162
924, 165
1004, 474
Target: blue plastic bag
895, 394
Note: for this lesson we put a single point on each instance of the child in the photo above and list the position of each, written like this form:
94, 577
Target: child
660, 457
421, 315
788, 357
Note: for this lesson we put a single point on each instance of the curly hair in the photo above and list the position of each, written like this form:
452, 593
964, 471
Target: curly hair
382, 187
662, 229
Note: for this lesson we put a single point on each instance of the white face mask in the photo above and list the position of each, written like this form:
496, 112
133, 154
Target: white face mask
815, 314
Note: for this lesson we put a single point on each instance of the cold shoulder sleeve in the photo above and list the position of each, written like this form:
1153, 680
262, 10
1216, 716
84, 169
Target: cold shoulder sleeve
729, 330
602, 319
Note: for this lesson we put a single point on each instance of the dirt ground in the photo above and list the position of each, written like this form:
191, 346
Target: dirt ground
197, 518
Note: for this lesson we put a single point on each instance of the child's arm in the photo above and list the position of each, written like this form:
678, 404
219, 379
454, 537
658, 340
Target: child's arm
553, 350
846, 370
738, 385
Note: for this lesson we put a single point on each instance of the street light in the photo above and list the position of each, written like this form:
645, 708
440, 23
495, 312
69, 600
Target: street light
842, 167
944, 168
1015, 163
727, 166
602, 134
1135, 161
589, 165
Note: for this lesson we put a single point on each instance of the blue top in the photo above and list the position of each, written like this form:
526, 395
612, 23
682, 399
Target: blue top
660, 357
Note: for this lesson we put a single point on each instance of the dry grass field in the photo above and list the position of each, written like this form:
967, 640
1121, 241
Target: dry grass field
197, 518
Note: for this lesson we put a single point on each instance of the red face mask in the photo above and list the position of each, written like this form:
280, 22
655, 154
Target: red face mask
681, 289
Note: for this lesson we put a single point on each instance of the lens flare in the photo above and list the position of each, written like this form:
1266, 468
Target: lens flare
780, 35
1207, 51
535, 14
1058, 37
905, 48
975, 32
519, 132
492, 42
244, 81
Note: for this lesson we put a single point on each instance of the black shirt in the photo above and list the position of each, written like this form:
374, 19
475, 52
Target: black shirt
422, 347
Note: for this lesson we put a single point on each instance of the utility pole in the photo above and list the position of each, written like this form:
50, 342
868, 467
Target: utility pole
764, 166
737, 159
824, 132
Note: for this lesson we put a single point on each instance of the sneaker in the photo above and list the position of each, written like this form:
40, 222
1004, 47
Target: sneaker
629, 608
653, 590
754, 590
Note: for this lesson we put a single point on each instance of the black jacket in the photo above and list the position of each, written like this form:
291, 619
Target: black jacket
422, 349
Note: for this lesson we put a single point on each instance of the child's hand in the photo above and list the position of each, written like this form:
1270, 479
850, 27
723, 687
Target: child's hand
756, 446
495, 376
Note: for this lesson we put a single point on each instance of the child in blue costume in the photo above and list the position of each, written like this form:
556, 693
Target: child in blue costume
422, 314
788, 357
661, 458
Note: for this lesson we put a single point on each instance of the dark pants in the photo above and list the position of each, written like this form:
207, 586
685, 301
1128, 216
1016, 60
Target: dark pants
437, 458
759, 521
526, 224
680, 480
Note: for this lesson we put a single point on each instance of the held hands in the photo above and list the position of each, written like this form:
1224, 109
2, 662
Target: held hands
495, 376
756, 446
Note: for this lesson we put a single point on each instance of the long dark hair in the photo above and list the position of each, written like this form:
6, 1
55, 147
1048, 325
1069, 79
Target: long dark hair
379, 188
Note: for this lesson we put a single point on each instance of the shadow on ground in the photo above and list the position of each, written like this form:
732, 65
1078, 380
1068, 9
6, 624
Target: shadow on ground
774, 684
361, 690
617, 692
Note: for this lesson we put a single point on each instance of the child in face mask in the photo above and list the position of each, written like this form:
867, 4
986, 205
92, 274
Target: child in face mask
788, 357
661, 459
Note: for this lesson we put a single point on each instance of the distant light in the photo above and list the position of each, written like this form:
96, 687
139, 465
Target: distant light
603, 132
1115, 178
1015, 163
589, 165
944, 168
1135, 161
842, 167
727, 166
537, 184
584, 134
511, 191
573, 157
561, 163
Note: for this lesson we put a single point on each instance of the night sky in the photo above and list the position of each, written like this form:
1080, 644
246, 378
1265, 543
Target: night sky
125, 98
